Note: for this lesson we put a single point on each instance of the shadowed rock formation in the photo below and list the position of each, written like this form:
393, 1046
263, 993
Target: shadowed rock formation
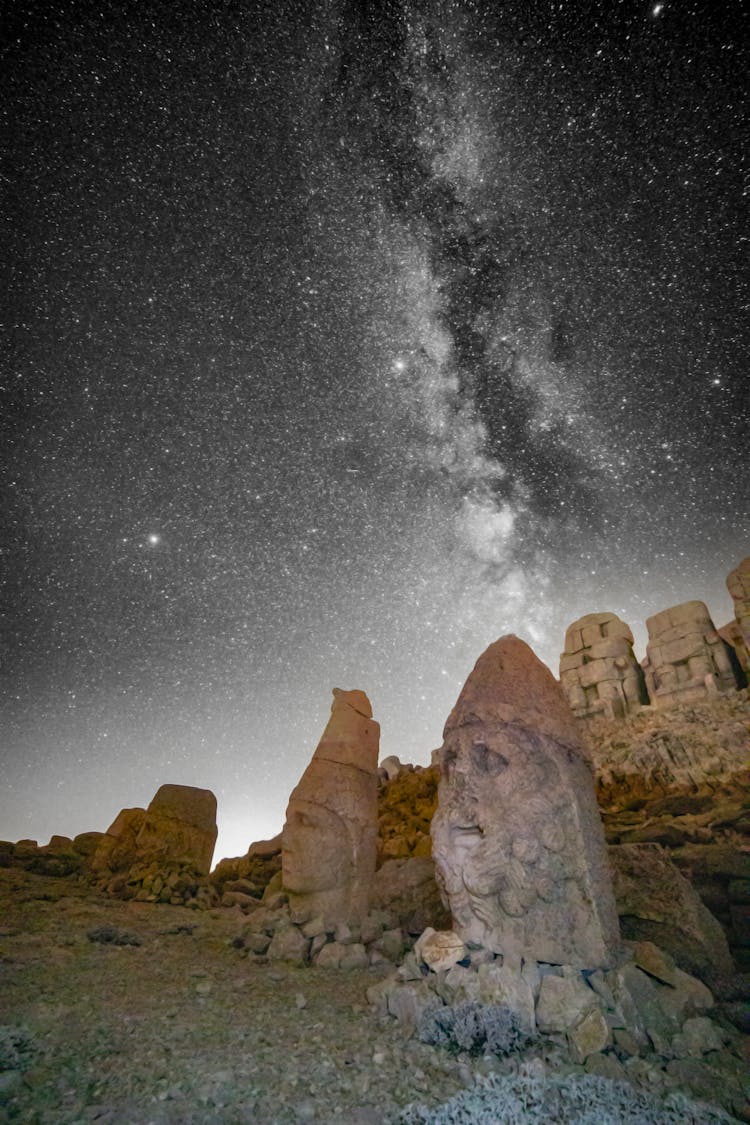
517, 838
159, 845
738, 584
598, 670
686, 657
329, 840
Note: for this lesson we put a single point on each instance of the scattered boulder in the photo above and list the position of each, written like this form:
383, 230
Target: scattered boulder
657, 904
517, 838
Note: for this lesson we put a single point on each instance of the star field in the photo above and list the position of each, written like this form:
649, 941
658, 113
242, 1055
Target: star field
342, 339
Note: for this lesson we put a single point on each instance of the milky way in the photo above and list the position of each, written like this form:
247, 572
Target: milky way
345, 338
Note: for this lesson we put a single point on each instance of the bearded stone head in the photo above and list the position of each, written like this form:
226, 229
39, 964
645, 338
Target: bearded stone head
517, 839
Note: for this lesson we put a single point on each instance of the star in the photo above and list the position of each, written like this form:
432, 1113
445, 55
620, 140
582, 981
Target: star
154, 540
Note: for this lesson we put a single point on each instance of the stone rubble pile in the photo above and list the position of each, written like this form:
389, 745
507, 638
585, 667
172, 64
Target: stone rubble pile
162, 853
643, 1020
275, 931
407, 801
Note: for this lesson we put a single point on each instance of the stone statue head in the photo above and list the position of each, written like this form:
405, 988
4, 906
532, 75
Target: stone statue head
517, 838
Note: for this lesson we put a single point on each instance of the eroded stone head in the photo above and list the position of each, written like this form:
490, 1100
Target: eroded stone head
330, 833
517, 839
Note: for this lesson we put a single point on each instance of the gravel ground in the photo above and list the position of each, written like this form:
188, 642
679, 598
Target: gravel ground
182, 1028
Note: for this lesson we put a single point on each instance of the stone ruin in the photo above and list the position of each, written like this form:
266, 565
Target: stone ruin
329, 839
161, 853
686, 659
517, 838
738, 584
598, 669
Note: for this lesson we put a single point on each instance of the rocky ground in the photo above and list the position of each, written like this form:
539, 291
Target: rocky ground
133, 1012
182, 1027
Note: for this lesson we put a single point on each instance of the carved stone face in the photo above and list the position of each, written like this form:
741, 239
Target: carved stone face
517, 838
499, 829
316, 850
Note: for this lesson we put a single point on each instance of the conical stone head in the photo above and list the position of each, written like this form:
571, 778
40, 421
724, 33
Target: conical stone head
517, 838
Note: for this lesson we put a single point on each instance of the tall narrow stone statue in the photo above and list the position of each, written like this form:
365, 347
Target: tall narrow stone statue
517, 838
329, 841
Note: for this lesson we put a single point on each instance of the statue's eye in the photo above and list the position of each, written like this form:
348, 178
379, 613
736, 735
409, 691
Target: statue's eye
487, 761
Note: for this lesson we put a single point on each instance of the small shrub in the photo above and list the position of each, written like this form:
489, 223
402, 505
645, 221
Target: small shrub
16, 1048
572, 1100
473, 1027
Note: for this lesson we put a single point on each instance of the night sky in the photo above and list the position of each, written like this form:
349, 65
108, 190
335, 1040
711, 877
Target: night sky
342, 338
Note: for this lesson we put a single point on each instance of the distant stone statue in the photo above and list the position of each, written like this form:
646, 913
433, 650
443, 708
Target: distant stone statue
517, 838
686, 659
598, 670
738, 584
329, 840
177, 828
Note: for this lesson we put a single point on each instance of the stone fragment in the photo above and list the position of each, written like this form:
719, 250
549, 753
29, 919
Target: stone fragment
329, 839
699, 1035
439, 949
655, 962
392, 766
178, 828
408, 1002
599, 673
563, 1002
289, 945
354, 957
391, 944
606, 1066
738, 584
330, 956
686, 659
656, 903
517, 838
502, 984
407, 890
589, 1035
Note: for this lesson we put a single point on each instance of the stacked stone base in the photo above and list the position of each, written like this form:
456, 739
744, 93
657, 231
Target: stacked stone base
176, 884
644, 1021
274, 933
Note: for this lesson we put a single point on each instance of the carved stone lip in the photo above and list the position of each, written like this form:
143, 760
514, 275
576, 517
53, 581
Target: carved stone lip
464, 835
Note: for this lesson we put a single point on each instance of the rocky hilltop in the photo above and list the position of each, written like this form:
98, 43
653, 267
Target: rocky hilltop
548, 923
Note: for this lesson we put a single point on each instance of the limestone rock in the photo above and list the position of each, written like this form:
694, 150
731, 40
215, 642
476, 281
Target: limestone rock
180, 825
117, 849
589, 1036
156, 854
657, 904
289, 944
599, 673
329, 838
738, 584
407, 890
517, 837
440, 949
686, 658
563, 1002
